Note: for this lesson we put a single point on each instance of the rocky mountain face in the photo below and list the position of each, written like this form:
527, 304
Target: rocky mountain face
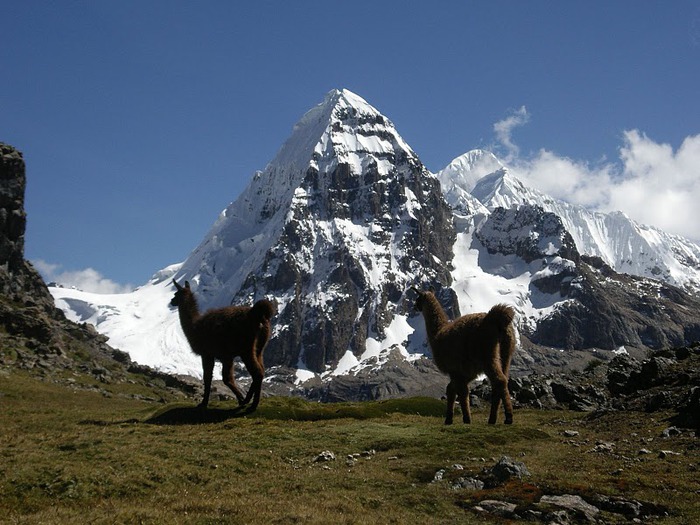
27, 306
337, 228
35, 335
596, 307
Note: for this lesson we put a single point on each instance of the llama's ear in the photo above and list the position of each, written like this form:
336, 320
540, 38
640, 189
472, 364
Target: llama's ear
177, 286
187, 285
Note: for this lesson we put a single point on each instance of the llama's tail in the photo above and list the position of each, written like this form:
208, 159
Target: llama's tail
501, 316
263, 310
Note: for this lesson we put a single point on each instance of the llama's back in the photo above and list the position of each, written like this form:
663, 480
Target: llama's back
219, 328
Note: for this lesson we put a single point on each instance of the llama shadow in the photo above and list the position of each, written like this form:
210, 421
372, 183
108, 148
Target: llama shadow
196, 415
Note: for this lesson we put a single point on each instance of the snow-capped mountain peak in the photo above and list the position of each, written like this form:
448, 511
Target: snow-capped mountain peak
467, 169
622, 243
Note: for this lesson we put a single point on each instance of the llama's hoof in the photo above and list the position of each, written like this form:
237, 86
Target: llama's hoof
448, 421
509, 421
202, 406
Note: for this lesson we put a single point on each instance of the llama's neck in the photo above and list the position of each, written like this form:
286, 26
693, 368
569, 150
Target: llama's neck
435, 317
189, 313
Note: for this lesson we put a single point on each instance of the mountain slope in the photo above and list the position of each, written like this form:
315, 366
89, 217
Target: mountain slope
623, 244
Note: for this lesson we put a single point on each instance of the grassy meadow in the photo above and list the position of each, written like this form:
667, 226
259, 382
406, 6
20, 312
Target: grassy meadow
75, 456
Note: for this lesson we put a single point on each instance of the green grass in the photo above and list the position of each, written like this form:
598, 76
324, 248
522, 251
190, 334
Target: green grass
80, 457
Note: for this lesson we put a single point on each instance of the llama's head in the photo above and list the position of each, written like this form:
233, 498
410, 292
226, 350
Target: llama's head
180, 293
421, 299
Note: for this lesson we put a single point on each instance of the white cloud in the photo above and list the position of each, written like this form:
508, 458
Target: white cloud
567, 179
504, 130
88, 280
651, 182
660, 186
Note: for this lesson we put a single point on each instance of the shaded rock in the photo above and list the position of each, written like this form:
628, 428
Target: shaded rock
439, 475
505, 469
689, 410
619, 370
671, 431
574, 504
326, 455
496, 507
468, 484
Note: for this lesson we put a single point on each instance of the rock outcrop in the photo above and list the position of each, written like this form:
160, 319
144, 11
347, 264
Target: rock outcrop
35, 336
667, 380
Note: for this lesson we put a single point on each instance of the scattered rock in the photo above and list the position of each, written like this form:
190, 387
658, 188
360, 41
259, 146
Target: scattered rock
505, 469
468, 484
496, 507
671, 431
603, 447
326, 455
574, 504
628, 508
438, 475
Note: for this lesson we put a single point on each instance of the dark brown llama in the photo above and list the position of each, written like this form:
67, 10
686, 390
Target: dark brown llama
224, 333
473, 344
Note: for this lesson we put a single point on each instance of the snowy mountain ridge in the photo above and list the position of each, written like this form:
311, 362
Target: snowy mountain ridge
622, 243
340, 225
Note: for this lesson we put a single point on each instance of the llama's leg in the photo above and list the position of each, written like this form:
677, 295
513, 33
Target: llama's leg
507, 404
499, 392
229, 379
451, 395
207, 372
463, 397
257, 373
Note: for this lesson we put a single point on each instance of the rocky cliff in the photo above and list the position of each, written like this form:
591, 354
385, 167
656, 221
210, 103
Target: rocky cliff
35, 336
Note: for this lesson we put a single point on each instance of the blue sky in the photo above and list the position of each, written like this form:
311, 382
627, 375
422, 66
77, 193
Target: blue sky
141, 120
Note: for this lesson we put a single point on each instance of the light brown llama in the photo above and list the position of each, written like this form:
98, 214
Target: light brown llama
473, 344
223, 334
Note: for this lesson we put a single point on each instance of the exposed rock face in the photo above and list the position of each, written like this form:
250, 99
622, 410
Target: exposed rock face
19, 282
528, 232
612, 310
362, 238
12, 216
596, 307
